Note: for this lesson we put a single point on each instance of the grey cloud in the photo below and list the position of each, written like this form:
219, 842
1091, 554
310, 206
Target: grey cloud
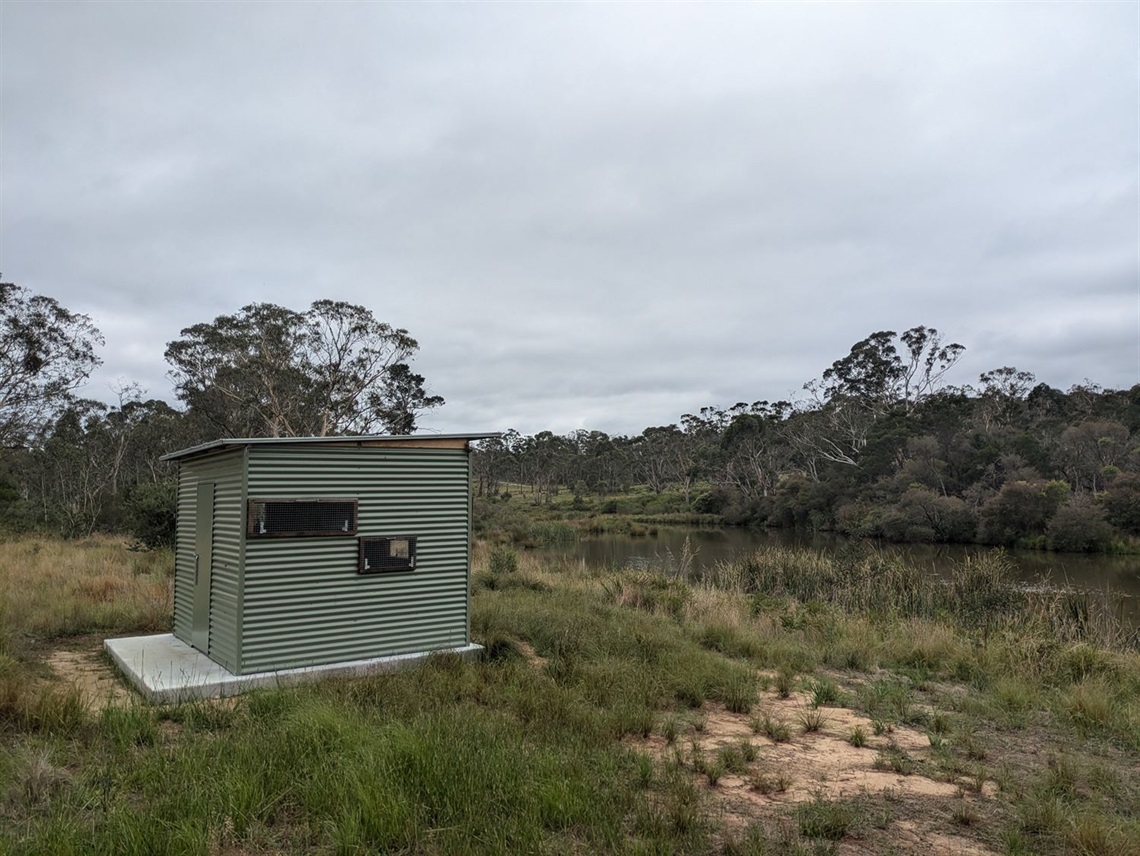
589, 215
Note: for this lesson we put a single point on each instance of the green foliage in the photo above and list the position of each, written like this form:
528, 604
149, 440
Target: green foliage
823, 692
504, 560
152, 514
1021, 510
270, 371
1121, 502
519, 753
827, 819
46, 352
1080, 527
879, 450
927, 516
893, 758
657, 593
553, 533
983, 591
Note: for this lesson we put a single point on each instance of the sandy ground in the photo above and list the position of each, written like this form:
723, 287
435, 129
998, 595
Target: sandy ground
96, 680
824, 763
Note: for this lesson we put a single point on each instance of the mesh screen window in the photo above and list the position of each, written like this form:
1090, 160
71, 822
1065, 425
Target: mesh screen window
395, 553
285, 518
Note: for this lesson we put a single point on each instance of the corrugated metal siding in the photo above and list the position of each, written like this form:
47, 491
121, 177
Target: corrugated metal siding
304, 602
225, 470
184, 555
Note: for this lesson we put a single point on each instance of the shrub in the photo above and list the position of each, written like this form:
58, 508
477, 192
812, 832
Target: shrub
932, 517
1079, 527
1022, 509
1121, 501
504, 560
152, 514
711, 502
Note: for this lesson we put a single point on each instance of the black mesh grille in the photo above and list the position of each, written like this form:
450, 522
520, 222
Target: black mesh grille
282, 518
394, 553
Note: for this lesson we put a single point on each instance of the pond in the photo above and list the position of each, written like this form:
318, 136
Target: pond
1119, 575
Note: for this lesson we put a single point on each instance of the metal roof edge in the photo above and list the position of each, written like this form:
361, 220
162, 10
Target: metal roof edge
215, 445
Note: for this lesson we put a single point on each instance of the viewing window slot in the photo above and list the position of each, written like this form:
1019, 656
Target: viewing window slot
293, 518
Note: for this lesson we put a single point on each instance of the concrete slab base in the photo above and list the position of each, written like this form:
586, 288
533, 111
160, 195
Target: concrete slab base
167, 670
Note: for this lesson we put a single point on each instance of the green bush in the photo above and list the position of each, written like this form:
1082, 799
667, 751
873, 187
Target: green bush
1121, 502
504, 560
1020, 510
152, 513
1079, 527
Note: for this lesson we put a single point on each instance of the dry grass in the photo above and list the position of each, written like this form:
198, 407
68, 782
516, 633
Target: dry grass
575, 680
51, 588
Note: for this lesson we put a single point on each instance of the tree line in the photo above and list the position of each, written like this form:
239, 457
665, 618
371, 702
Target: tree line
877, 446
74, 465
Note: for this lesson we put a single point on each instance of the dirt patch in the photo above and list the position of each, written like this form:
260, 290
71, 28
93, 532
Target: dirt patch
822, 763
531, 655
920, 838
96, 680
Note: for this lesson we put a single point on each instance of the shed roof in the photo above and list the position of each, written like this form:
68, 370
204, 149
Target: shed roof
361, 440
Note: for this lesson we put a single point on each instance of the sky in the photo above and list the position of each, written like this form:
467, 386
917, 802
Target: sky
590, 215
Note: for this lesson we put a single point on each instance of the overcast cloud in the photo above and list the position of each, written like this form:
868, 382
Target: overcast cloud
589, 215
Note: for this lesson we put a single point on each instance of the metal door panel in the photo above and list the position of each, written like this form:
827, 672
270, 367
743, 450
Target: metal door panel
203, 550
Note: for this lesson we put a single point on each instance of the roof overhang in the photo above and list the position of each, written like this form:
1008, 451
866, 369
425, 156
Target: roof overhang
394, 440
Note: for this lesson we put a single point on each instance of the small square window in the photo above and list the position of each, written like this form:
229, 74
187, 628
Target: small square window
394, 553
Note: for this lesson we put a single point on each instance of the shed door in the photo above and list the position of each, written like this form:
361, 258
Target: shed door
203, 551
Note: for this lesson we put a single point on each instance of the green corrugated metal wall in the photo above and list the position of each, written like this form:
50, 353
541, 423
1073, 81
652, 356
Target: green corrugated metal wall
226, 470
304, 603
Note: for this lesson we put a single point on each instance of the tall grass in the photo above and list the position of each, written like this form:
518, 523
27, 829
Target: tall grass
383, 767
981, 592
53, 588
526, 753
50, 588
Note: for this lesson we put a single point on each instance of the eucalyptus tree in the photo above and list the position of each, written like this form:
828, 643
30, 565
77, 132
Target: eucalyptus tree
46, 353
546, 457
889, 369
268, 370
1002, 397
67, 481
493, 462
755, 450
885, 373
91, 461
1090, 453
661, 458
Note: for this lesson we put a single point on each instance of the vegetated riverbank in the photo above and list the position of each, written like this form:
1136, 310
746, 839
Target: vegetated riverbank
519, 517
791, 703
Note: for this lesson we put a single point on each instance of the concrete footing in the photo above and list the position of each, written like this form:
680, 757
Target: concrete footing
167, 670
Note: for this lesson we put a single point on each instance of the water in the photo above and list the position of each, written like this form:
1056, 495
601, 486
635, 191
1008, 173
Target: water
1119, 575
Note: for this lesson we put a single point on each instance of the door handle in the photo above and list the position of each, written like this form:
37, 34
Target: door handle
195, 569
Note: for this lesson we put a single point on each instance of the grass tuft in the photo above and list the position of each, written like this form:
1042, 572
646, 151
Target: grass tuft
812, 719
774, 728
827, 819
893, 757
